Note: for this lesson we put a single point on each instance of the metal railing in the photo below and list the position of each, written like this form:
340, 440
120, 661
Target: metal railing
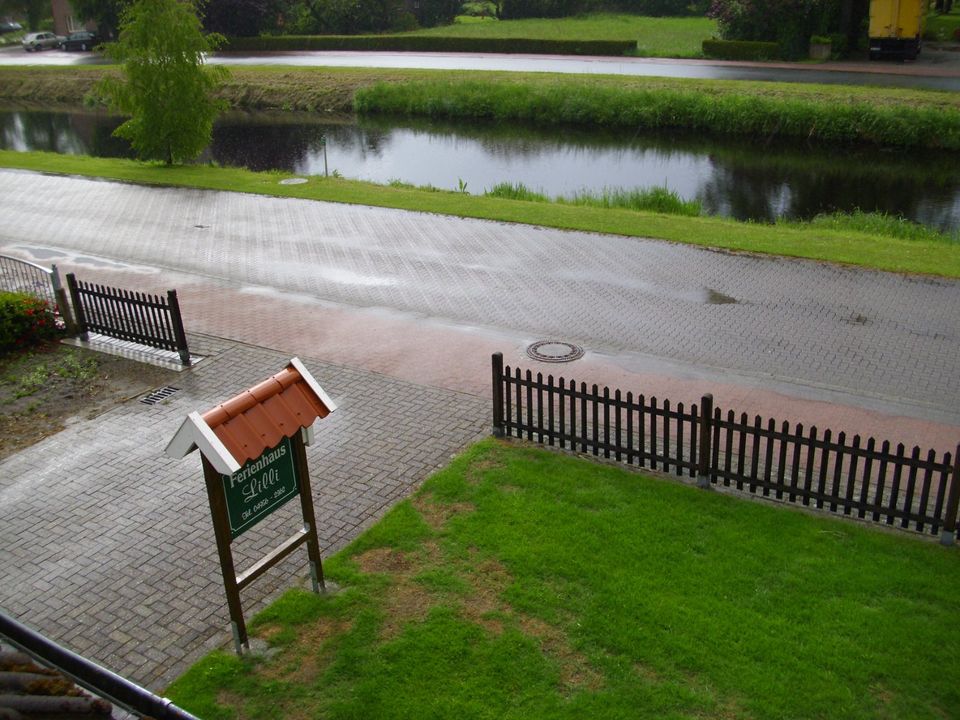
88, 675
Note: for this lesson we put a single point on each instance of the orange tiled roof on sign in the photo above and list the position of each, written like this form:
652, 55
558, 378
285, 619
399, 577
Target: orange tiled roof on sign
258, 418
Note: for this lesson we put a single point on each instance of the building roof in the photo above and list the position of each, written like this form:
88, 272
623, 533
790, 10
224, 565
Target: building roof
242, 428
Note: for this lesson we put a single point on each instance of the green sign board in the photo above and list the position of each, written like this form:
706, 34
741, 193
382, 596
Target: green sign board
260, 487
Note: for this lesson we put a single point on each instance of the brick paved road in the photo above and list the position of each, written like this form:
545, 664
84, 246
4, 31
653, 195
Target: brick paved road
107, 545
867, 333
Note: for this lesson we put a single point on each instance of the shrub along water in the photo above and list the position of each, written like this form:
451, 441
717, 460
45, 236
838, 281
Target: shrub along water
882, 224
854, 120
656, 199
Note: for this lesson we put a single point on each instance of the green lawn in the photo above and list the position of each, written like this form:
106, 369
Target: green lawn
942, 28
655, 36
837, 244
521, 583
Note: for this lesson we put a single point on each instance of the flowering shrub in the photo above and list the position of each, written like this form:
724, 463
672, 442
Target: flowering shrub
24, 321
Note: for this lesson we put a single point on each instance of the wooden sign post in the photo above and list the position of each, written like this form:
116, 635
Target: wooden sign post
264, 428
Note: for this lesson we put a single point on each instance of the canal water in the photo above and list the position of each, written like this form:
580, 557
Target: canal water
744, 179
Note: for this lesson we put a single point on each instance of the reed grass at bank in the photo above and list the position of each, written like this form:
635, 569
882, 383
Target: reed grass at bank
664, 200
655, 199
834, 120
817, 243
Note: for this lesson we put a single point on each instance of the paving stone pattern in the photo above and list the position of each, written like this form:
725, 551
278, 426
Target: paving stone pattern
108, 546
865, 332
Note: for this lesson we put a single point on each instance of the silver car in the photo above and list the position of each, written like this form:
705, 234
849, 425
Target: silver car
32, 42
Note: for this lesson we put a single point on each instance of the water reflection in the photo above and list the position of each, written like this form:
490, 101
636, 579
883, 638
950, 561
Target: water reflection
734, 178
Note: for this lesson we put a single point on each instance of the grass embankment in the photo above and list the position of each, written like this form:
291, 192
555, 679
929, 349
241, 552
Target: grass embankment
726, 109
655, 37
526, 584
804, 241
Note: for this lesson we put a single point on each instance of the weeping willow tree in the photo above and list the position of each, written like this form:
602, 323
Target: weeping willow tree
165, 87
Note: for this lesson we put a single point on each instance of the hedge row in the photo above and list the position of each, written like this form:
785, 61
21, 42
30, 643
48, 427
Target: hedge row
426, 43
741, 50
612, 107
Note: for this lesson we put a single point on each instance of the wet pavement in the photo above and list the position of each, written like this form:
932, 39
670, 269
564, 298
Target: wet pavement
935, 69
878, 338
107, 544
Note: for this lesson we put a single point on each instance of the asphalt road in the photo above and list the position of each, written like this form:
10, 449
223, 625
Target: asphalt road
866, 334
936, 70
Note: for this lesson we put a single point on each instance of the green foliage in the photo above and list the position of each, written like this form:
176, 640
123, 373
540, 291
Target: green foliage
567, 589
479, 8
512, 9
25, 321
431, 43
105, 13
166, 88
831, 119
741, 50
655, 199
68, 365
880, 224
515, 191
942, 28
35, 14
790, 23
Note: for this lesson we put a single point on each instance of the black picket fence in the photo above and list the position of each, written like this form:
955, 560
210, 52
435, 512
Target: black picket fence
824, 470
126, 315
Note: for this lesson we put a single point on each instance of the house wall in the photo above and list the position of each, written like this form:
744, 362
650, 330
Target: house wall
65, 21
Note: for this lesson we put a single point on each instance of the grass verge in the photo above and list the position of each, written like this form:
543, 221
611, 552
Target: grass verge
655, 36
520, 583
852, 247
724, 110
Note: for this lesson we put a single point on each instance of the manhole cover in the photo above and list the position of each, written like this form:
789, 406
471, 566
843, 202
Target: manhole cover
159, 395
293, 181
554, 351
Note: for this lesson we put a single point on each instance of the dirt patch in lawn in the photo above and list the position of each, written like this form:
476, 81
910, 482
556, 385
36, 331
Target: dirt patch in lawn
44, 390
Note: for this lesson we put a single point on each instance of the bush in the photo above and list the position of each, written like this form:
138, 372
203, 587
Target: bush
741, 50
422, 43
24, 321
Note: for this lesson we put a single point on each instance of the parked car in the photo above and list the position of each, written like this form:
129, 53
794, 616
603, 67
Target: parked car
40, 41
83, 40
9, 26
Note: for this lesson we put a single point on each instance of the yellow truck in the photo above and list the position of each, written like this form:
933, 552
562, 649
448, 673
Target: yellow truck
896, 27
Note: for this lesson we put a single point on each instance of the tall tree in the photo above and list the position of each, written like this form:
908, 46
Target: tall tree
34, 11
240, 18
166, 89
105, 13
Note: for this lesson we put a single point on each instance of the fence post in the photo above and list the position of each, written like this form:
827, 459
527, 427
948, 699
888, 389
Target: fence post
948, 535
178, 331
498, 394
63, 305
77, 307
705, 451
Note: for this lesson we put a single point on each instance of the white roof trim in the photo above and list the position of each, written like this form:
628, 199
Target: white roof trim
194, 433
313, 384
